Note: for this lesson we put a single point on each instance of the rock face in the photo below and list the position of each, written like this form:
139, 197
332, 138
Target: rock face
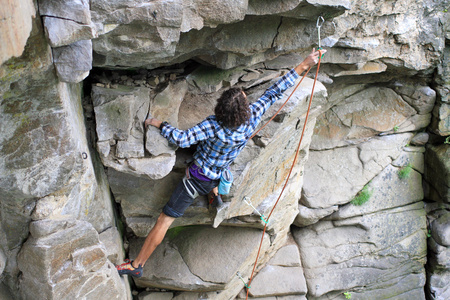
161, 33
364, 212
15, 23
49, 172
69, 31
69, 263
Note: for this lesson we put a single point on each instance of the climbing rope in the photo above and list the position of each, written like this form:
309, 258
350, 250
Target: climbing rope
266, 221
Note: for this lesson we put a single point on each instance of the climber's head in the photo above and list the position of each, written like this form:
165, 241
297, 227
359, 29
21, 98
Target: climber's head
232, 108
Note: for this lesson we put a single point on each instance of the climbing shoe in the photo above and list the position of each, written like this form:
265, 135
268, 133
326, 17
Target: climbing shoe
127, 269
215, 200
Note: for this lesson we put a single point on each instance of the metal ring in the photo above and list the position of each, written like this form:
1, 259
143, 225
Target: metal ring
84, 155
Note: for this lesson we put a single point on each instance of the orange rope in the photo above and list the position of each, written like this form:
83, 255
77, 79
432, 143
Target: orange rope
293, 163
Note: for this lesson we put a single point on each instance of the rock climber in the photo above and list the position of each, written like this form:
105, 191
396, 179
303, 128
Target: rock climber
220, 138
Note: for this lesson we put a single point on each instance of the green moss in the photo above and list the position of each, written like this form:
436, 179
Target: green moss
7, 95
362, 197
405, 171
174, 232
23, 119
15, 66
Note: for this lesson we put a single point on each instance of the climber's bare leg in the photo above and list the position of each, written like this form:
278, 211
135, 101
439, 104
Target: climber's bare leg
153, 239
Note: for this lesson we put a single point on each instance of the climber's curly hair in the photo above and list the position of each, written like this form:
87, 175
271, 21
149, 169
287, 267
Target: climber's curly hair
232, 108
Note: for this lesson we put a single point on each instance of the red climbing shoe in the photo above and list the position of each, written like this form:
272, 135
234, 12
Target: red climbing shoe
127, 269
215, 200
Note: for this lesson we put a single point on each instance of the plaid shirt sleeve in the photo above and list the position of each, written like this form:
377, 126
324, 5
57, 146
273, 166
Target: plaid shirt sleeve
272, 94
186, 138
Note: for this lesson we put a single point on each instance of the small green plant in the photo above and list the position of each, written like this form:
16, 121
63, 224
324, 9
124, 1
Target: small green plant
362, 197
405, 171
447, 140
396, 128
348, 295
429, 233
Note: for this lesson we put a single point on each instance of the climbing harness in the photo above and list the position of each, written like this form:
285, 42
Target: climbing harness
320, 21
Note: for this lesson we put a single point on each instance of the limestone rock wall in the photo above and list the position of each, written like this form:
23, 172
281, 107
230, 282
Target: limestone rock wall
364, 214
55, 199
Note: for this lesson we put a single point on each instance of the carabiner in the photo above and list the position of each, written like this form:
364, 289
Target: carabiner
320, 21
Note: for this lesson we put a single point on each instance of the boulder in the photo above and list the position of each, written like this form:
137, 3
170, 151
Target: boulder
281, 276
420, 139
120, 112
422, 98
287, 256
358, 117
307, 216
120, 115
342, 255
46, 128
130, 149
165, 107
333, 177
183, 260
363, 110
208, 80
440, 230
63, 32
68, 262
75, 10
73, 62
366, 68
278, 281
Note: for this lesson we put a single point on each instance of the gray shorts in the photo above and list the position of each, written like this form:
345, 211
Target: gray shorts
185, 193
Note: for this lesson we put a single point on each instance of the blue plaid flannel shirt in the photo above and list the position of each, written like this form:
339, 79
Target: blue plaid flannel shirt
218, 146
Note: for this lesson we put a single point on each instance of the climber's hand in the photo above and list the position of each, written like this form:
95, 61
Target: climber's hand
154, 122
311, 60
